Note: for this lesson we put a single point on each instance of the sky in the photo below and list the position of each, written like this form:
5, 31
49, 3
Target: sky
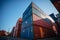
12, 10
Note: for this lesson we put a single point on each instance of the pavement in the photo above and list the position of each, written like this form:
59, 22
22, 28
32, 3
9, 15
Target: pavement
12, 38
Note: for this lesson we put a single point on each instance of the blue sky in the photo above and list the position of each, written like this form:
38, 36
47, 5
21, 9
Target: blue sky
12, 10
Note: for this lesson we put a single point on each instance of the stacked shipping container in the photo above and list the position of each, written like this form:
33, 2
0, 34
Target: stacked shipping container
36, 24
